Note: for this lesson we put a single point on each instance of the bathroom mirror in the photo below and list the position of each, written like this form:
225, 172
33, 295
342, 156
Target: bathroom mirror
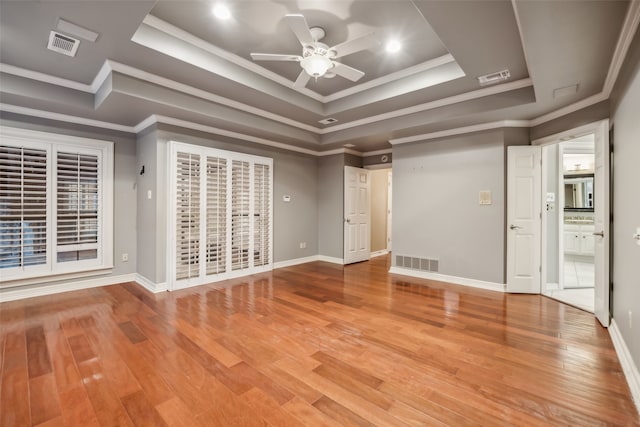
578, 193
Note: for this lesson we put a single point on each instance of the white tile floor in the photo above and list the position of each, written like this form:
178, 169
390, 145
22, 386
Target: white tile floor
578, 274
578, 285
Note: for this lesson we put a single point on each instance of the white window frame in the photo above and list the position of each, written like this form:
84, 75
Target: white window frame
53, 270
173, 148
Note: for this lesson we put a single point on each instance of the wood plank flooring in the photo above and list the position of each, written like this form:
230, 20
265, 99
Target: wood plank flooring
316, 344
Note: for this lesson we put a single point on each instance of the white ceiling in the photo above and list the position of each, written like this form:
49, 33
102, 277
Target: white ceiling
173, 62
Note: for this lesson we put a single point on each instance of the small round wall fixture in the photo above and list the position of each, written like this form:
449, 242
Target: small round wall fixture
384, 158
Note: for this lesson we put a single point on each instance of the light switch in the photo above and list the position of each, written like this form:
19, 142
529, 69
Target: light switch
149, 194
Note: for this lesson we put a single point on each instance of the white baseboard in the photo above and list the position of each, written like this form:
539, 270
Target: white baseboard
628, 366
491, 286
379, 253
296, 261
149, 285
330, 259
304, 260
12, 294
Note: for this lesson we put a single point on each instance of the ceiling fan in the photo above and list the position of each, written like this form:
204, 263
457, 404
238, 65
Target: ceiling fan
318, 59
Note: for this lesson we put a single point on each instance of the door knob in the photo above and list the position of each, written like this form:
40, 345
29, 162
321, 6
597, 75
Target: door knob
599, 233
515, 227
347, 220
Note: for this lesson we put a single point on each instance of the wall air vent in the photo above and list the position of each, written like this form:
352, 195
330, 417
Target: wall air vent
493, 78
328, 121
423, 264
63, 44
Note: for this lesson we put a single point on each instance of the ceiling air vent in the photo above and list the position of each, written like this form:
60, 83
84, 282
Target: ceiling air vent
63, 44
494, 78
328, 121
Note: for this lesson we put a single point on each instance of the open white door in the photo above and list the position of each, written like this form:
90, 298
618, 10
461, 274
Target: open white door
523, 219
601, 222
357, 215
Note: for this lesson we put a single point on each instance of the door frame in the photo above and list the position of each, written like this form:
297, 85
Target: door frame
589, 128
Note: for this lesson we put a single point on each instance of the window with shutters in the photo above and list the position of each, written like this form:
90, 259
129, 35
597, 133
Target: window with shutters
221, 215
55, 205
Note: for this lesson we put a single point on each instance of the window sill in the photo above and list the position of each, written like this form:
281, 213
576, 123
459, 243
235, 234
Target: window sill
52, 278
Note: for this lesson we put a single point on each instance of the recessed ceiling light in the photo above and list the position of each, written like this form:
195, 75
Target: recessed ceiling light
221, 11
393, 46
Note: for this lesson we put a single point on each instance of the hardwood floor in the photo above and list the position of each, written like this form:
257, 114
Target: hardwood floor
316, 344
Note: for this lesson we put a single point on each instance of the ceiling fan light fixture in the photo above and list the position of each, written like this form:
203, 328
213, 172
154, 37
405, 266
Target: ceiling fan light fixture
316, 65
393, 46
221, 11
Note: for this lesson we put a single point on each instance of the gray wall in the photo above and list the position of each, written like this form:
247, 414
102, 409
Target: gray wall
626, 205
435, 204
124, 237
330, 195
550, 163
294, 175
146, 155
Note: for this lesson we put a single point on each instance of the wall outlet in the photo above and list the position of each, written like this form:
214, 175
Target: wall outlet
630, 319
303, 245
125, 257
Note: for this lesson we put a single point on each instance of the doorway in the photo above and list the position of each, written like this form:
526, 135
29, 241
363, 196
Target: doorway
380, 211
568, 219
528, 258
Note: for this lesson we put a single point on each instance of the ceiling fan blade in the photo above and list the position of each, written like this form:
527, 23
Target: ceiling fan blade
364, 42
300, 28
302, 80
274, 57
347, 72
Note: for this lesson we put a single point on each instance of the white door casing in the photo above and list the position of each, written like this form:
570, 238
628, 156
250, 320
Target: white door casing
601, 222
523, 219
389, 210
357, 215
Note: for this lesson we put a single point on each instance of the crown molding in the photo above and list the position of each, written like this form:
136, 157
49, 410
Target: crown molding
378, 152
45, 78
418, 68
467, 96
65, 118
462, 130
571, 108
190, 90
629, 28
167, 28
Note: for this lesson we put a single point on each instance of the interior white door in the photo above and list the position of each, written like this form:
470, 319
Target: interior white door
601, 223
523, 219
357, 215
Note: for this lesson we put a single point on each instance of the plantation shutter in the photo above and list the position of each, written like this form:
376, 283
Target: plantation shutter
240, 206
222, 218
77, 189
216, 235
261, 214
23, 207
187, 215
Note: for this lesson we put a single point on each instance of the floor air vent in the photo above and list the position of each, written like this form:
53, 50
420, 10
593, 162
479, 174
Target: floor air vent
422, 264
63, 44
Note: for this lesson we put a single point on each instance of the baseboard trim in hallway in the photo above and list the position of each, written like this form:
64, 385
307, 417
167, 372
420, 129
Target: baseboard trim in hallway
628, 366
